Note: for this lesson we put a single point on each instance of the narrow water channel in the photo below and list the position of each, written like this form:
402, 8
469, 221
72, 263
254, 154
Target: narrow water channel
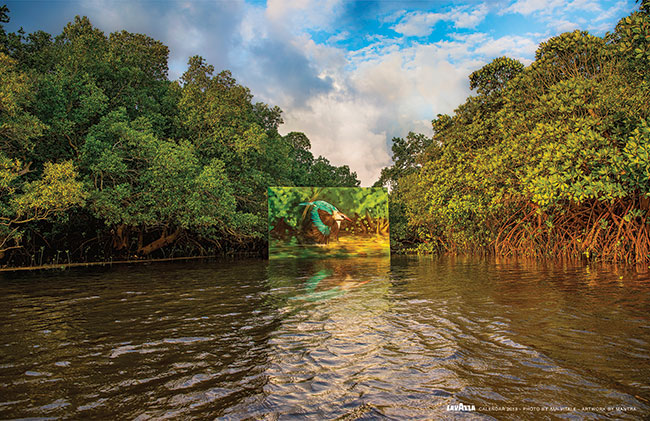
407, 338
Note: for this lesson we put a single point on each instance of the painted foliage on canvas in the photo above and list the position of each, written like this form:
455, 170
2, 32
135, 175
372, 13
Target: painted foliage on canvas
328, 222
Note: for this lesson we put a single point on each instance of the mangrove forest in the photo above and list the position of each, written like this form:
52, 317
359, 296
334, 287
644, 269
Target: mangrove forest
102, 157
546, 160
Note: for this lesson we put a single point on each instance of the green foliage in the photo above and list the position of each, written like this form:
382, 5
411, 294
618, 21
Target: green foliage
101, 154
544, 158
407, 157
634, 164
140, 180
322, 173
57, 190
18, 127
633, 40
493, 77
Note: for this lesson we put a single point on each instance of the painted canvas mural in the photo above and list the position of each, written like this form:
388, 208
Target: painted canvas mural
328, 222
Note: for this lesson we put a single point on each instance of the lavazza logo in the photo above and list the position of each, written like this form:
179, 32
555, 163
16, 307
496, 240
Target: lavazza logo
461, 407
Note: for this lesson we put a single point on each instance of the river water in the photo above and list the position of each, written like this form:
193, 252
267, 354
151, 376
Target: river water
407, 338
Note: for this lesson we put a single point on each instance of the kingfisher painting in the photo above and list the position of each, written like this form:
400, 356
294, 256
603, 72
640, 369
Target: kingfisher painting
328, 222
323, 223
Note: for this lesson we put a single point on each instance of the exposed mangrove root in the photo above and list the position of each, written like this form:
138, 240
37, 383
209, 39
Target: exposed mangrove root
615, 232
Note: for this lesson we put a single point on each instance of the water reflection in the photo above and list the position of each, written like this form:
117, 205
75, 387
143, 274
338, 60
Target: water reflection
330, 340
326, 278
357, 338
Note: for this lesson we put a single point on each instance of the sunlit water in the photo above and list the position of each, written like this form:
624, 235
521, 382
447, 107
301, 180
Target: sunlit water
336, 339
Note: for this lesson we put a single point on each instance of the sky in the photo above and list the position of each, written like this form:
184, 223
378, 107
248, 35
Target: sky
351, 75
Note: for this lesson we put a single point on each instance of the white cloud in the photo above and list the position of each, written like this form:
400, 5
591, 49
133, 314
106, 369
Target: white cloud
510, 45
587, 5
527, 7
341, 36
298, 15
343, 129
619, 7
562, 25
390, 90
421, 24
417, 24
393, 17
563, 16
470, 19
381, 97
253, 25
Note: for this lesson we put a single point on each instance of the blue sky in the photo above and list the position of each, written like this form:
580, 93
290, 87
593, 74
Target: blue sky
351, 75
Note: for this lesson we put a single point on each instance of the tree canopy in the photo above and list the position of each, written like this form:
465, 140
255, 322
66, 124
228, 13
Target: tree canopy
548, 159
102, 156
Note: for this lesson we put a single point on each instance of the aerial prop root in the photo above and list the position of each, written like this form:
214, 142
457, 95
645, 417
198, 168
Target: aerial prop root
599, 228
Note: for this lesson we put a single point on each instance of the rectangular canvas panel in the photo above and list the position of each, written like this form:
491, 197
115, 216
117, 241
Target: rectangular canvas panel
328, 222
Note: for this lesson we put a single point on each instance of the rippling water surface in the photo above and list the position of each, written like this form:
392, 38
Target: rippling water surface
330, 339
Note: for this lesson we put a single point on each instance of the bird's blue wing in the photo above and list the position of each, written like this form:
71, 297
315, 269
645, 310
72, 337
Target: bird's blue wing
318, 223
315, 217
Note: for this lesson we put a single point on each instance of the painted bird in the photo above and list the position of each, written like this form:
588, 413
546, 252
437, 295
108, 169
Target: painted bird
324, 221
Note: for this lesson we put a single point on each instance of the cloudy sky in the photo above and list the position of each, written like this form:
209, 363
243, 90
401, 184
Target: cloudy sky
351, 75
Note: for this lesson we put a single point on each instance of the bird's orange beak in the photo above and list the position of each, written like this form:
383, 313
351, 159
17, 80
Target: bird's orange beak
343, 215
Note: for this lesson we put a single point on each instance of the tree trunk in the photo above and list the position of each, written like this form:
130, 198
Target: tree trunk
163, 241
140, 238
121, 237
